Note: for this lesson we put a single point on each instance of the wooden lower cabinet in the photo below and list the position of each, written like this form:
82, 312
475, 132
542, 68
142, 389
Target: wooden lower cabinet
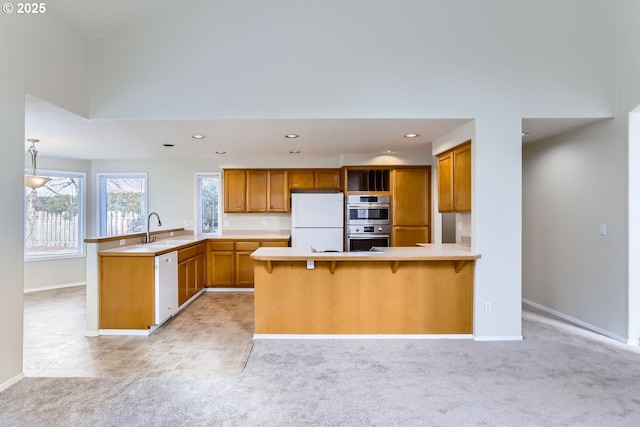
123, 306
229, 263
221, 263
191, 271
409, 236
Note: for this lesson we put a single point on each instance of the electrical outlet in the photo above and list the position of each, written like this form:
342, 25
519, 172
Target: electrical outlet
265, 223
488, 307
171, 234
190, 223
186, 222
123, 242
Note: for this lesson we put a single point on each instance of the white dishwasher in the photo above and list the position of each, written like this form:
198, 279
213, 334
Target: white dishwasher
166, 286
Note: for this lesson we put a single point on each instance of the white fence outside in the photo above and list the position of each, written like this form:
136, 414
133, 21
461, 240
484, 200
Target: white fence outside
54, 232
122, 223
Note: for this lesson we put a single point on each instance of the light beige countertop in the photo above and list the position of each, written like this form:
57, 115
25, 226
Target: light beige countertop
429, 252
177, 242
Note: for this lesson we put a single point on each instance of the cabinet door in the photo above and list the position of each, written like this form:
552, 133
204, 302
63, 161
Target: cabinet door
411, 196
182, 282
445, 182
244, 264
192, 277
301, 179
256, 191
222, 268
327, 179
278, 193
201, 271
244, 269
235, 191
462, 179
409, 236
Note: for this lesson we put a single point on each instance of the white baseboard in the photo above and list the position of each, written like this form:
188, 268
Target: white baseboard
5, 385
498, 338
228, 289
361, 337
581, 323
49, 288
139, 332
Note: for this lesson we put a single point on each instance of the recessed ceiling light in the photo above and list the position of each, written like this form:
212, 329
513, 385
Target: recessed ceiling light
294, 152
167, 145
525, 133
388, 151
221, 152
411, 135
291, 135
197, 136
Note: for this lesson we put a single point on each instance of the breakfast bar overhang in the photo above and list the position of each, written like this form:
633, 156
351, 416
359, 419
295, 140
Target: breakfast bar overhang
403, 290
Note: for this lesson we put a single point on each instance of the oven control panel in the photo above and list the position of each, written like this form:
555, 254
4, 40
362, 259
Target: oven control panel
366, 229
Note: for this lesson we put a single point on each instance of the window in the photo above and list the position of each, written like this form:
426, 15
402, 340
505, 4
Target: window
208, 217
123, 203
54, 216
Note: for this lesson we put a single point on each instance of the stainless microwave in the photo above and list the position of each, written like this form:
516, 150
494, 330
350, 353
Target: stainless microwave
363, 210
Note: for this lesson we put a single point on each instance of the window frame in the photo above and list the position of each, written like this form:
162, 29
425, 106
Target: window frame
101, 200
82, 218
198, 202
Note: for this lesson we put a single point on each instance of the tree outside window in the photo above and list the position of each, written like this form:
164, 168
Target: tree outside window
123, 201
54, 217
208, 189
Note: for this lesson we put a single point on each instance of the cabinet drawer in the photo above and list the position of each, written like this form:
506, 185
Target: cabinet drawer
220, 246
202, 248
186, 253
247, 246
275, 244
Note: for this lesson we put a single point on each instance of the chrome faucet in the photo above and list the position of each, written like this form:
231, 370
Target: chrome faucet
148, 239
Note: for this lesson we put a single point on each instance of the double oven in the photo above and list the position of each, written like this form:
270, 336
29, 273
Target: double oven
368, 222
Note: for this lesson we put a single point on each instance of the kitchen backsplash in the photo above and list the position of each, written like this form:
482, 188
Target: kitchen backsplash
256, 221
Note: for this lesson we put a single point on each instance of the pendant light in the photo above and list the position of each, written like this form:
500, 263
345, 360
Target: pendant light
33, 180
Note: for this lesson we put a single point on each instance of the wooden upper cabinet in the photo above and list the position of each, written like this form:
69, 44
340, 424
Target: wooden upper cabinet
235, 191
315, 179
454, 179
327, 179
256, 191
410, 201
277, 191
445, 182
303, 179
462, 179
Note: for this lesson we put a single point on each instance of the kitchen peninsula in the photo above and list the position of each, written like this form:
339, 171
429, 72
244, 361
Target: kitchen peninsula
122, 291
398, 290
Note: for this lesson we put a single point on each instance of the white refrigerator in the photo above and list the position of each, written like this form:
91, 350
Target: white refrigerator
317, 221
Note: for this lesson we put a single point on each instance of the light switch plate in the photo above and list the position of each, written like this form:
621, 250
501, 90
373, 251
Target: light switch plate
602, 229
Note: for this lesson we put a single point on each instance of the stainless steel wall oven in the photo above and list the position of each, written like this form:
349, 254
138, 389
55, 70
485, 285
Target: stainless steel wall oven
368, 222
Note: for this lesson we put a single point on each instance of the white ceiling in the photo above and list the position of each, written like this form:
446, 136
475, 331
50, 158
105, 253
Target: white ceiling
63, 134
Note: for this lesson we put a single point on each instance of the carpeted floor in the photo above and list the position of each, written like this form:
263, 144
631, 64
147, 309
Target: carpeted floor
557, 376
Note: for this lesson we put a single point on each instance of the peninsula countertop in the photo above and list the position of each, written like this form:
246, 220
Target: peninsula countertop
428, 252
177, 242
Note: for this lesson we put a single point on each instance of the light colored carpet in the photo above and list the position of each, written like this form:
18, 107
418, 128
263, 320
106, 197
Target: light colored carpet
557, 376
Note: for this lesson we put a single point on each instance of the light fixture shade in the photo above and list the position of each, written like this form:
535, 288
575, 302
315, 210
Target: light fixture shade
32, 181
